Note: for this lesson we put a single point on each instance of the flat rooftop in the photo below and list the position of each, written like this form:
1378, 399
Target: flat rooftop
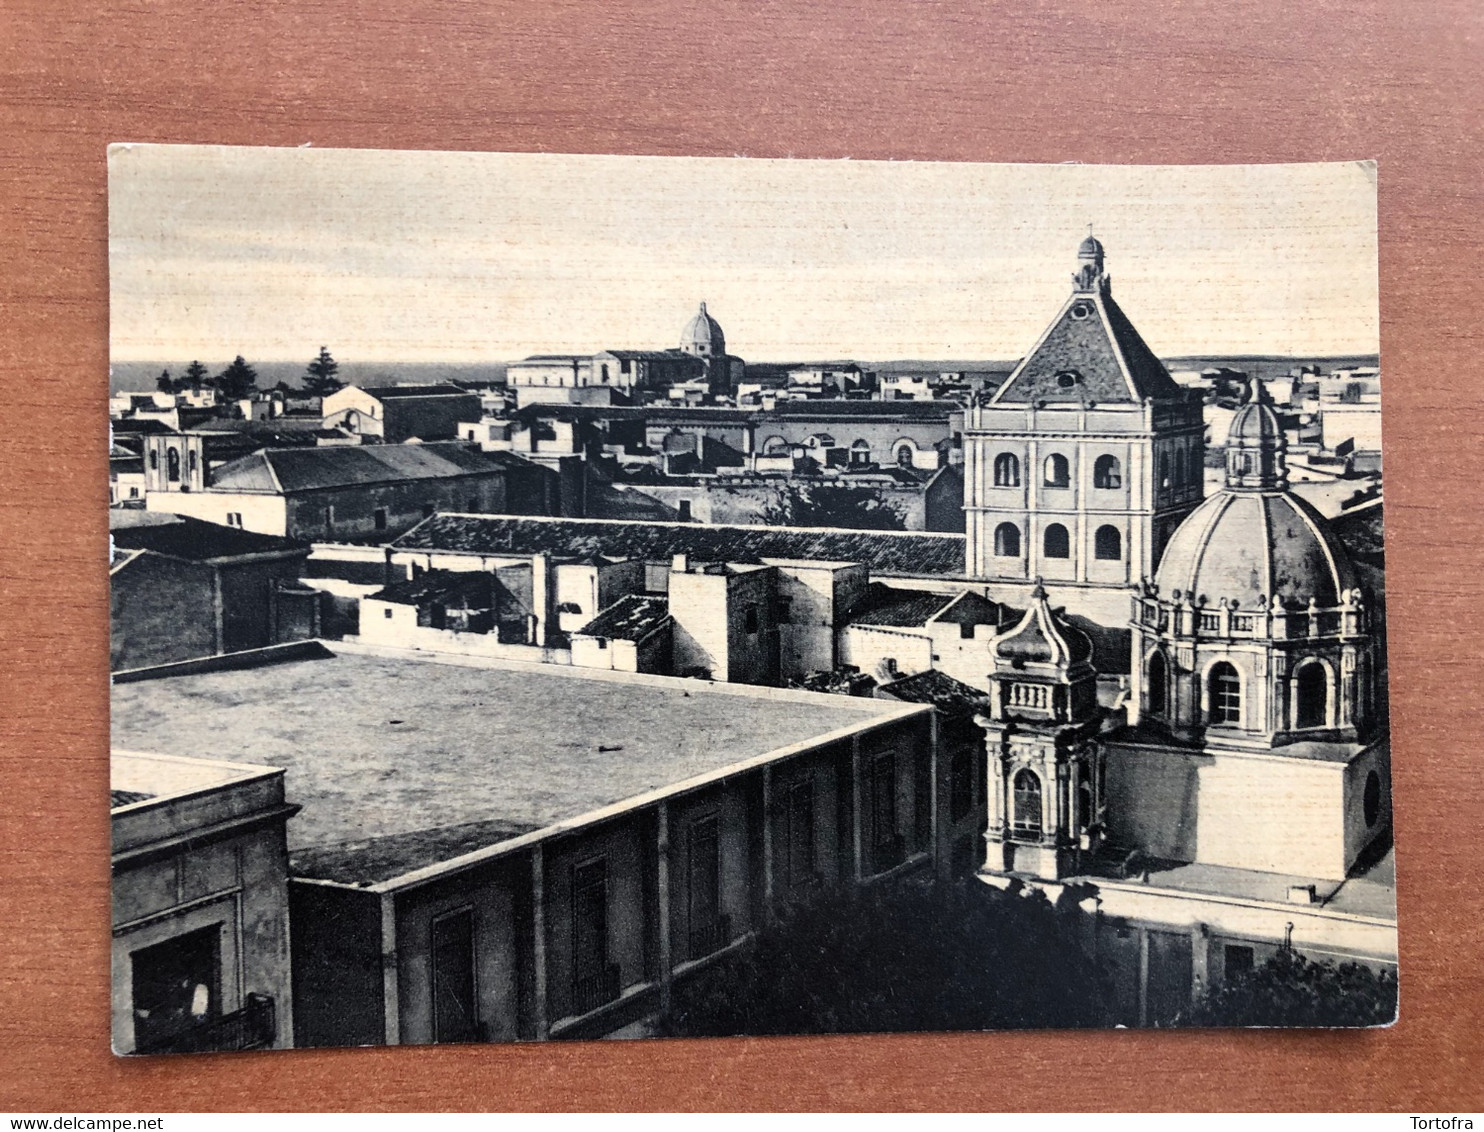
403, 762
139, 776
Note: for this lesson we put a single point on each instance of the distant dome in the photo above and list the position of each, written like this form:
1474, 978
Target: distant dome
1243, 545
703, 336
1090, 248
1255, 423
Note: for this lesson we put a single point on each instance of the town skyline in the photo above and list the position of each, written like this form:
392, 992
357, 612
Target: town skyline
470, 258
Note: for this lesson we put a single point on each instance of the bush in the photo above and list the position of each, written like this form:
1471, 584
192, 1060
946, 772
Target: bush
898, 957
1289, 990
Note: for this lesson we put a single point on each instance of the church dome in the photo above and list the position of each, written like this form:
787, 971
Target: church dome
1243, 546
1255, 424
703, 335
1090, 247
1043, 637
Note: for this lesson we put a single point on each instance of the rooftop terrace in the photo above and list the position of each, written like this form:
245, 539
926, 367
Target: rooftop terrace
401, 763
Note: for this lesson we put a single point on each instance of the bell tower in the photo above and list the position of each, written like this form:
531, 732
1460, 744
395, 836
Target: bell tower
1045, 764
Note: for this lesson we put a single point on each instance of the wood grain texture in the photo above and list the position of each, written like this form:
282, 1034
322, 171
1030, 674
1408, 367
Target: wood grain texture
1194, 81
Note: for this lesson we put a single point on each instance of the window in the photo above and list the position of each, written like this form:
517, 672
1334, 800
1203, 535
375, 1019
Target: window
785, 611
172, 465
594, 979
1027, 813
1157, 684
191, 463
1055, 543
961, 784
1006, 470
234, 518
1371, 802
1058, 471
329, 518
133, 493
455, 1004
1311, 695
1226, 694
1107, 472
605, 371
1164, 469
1107, 544
904, 456
1179, 467
602, 643
1007, 541
887, 848
1239, 961
176, 987
379, 519
708, 929
387, 613
749, 619
798, 836
860, 452
684, 507
154, 460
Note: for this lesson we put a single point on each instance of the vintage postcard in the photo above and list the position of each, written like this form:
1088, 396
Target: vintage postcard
578, 597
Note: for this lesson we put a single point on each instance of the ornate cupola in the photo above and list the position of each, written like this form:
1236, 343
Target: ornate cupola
1045, 776
1090, 274
1256, 449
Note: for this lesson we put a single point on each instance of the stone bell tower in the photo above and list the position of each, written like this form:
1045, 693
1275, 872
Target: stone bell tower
1045, 765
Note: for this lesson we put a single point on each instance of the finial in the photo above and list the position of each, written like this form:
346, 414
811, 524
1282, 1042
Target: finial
703, 306
1038, 591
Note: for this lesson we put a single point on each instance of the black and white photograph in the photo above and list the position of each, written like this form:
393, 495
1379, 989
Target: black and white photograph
582, 597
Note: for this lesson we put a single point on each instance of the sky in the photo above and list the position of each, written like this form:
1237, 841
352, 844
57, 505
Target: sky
462, 257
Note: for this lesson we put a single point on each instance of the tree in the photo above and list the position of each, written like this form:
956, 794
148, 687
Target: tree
165, 383
912, 955
237, 381
319, 375
195, 377
802, 504
1289, 990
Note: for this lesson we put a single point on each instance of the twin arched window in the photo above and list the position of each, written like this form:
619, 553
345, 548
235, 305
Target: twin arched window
1027, 816
1107, 544
1007, 541
1055, 543
1058, 471
1107, 473
1225, 691
1006, 470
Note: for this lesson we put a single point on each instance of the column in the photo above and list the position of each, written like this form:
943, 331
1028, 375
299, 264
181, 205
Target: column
666, 959
857, 847
538, 940
391, 997
767, 818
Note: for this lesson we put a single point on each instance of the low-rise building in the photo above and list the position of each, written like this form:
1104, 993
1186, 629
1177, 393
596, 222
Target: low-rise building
398, 413
200, 905
180, 589
458, 874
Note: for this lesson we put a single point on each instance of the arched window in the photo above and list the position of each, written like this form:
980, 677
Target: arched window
1107, 544
1006, 470
172, 464
1179, 467
1055, 543
191, 463
1027, 816
904, 456
1226, 694
1084, 804
860, 452
1058, 471
1007, 541
154, 460
1164, 469
1107, 472
1311, 695
1157, 684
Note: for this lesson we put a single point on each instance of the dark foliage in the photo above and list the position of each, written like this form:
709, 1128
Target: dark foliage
237, 381
165, 383
833, 505
898, 957
1289, 990
320, 378
195, 377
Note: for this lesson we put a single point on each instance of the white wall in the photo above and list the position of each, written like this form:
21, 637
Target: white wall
266, 514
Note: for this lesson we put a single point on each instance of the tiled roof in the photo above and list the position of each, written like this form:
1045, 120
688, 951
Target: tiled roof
630, 618
950, 696
117, 798
834, 411
306, 469
972, 609
474, 586
886, 605
198, 541
883, 552
1079, 341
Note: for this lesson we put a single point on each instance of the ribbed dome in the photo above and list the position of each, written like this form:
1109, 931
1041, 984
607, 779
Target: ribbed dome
703, 335
1244, 545
1090, 247
1041, 637
1255, 424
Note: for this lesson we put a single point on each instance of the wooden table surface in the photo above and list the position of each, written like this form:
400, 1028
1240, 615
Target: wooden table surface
1168, 81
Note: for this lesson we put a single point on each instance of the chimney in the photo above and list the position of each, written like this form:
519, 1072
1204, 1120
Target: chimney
680, 564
